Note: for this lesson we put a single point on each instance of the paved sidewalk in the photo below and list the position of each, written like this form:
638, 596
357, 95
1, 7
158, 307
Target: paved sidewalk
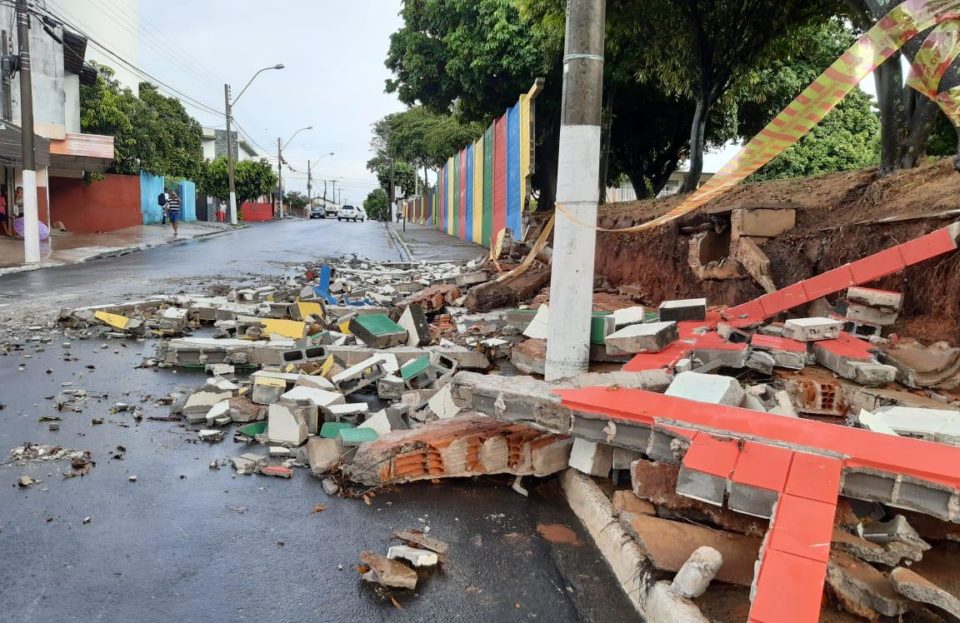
429, 244
73, 248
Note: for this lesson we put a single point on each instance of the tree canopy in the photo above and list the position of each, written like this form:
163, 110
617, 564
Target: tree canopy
252, 179
377, 205
152, 133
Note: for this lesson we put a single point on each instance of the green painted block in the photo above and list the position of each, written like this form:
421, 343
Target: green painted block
602, 324
415, 367
356, 436
378, 324
378, 331
330, 430
252, 430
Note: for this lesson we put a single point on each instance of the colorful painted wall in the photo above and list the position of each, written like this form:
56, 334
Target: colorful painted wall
484, 188
102, 205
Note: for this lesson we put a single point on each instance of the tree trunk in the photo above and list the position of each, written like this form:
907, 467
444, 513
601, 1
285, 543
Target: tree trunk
605, 141
890, 93
920, 124
548, 151
698, 131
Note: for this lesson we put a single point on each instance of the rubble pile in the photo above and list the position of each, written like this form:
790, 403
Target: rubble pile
745, 447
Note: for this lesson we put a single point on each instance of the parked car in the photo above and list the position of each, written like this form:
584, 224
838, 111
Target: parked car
330, 211
350, 213
317, 212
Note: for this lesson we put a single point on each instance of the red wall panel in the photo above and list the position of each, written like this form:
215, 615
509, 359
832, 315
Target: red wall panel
103, 205
256, 212
499, 177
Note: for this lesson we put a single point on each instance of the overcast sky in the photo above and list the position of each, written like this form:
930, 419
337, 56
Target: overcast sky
333, 51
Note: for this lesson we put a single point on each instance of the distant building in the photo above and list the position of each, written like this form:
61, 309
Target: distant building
215, 146
626, 192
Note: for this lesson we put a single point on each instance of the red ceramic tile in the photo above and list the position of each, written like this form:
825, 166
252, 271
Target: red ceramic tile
848, 347
828, 282
710, 455
789, 589
803, 527
762, 466
814, 477
751, 310
877, 265
924, 460
772, 342
713, 341
666, 358
926, 247
784, 299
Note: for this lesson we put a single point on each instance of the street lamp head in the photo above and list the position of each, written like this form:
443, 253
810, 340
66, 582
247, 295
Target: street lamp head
278, 66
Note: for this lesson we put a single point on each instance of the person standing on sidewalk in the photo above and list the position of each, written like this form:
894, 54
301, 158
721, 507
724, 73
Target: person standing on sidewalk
173, 210
6, 222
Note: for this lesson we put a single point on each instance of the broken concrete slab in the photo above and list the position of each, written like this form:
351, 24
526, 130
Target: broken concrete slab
539, 326
642, 338
712, 388
941, 425
686, 309
889, 554
284, 427
243, 410
414, 321
248, 463
530, 356
217, 413
323, 455
762, 222
871, 315
861, 589
917, 588
897, 530
267, 390
442, 403
417, 557
386, 572
628, 316
335, 412
871, 297
812, 329
591, 458
378, 422
934, 366
421, 541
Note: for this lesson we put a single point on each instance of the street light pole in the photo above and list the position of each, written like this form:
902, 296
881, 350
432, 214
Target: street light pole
310, 175
228, 105
280, 147
31, 219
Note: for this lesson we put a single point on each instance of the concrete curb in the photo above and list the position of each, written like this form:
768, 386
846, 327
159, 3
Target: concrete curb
117, 252
405, 254
621, 552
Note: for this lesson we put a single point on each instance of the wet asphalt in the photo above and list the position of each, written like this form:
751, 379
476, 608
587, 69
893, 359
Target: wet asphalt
188, 543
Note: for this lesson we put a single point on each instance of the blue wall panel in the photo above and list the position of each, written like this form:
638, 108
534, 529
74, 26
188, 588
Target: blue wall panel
150, 187
188, 201
513, 171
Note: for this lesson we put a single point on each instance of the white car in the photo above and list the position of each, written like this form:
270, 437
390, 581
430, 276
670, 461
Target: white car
350, 213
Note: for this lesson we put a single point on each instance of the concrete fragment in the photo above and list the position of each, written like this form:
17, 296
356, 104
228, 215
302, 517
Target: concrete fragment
761, 362
414, 321
756, 263
415, 556
217, 412
664, 605
390, 388
591, 458
421, 541
686, 309
695, 575
871, 315
243, 410
442, 403
762, 222
350, 437
248, 463
267, 390
379, 422
917, 588
277, 471
539, 327
897, 530
335, 412
200, 402
530, 356
322, 454
628, 316
861, 589
386, 572
623, 458
642, 338
872, 297
784, 405
712, 388
652, 380
811, 329
360, 375
285, 427
888, 554
628, 502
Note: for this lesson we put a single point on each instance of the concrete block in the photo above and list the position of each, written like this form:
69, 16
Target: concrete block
334, 412
305, 395
530, 356
360, 375
378, 331
414, 321
210, 435
762, 222
784, 405
390, 388
871, 315
622, 458
701, 486
350, 437
761, 362
322, 454
243, 410
712, 388
217, 412
442, 403
861, 589
378, 422
686, 309
875, 298
628, 316
415, 556
591, 458
917, 588
812, 329
643, 338
285, 427
200, 402
267, 390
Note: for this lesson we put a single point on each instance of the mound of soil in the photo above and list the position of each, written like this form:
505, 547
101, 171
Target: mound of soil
840, 218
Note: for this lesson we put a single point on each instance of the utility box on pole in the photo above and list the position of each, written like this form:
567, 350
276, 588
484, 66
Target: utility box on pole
578, 191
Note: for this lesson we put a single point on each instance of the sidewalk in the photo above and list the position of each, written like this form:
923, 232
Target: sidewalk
73, 248
432, 245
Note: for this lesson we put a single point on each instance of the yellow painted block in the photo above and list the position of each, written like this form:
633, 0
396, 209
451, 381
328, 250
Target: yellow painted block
345, 327
269, 381
114, 320
310, 309
293, 329
327, 367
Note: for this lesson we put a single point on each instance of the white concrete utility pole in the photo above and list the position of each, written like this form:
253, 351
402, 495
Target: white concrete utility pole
578, 191
31, 219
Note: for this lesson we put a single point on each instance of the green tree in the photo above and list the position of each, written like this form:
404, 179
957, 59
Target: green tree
423, 138
847, 139
152, 132
296, 200
403, 173
252, 178
377, 205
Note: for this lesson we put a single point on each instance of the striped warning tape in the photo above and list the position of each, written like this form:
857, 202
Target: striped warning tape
892, 32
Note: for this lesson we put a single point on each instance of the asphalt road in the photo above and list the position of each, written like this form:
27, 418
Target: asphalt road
187, 543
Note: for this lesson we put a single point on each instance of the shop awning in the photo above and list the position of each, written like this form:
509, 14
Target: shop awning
11, 152
82, 152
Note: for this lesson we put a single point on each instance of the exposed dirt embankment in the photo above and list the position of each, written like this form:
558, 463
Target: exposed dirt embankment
840, 218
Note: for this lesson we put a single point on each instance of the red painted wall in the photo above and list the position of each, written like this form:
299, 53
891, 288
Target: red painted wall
104, 205
499, 177
255, 212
